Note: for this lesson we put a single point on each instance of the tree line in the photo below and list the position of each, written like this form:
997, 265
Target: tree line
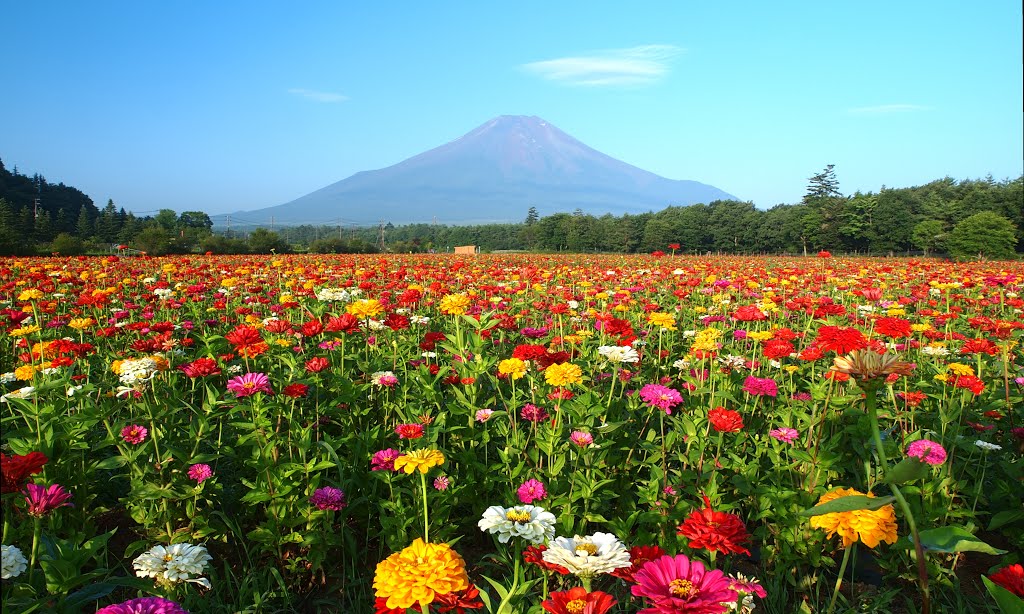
960, 218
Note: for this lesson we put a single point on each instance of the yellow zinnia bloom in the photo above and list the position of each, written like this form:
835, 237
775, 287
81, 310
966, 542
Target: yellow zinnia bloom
418, 574
366, 308
423, 460
564, 374
664, 320
24, 331
454, 304
30, 295
512, 367
25, 373
867, 526
957, 368
81, 323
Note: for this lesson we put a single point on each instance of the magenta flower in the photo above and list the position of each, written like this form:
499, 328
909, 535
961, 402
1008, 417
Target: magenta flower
532, 490
384, 460
144, 605
441, 482
532, 413
44, 499
200, 473
328, 498
249, 384
928, 451
784, 434
482, 415
662, 397
760, 386
581, 438
677, 584
134, 434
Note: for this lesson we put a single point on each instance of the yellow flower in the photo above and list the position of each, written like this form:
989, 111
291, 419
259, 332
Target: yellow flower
24, 331
760, 335
81, 323
920, 328
25, 373
867, 526
365, 308
30, 295
664, 320
454, 304
423, 460
564, 374
513, 367
418, 574
957, 368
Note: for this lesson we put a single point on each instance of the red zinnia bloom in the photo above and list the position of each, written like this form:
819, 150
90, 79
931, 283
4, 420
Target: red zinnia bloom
725, 420
201, 367
345, 323
714, 531
16, 469
970, 382
749, 313
396, 322
1011, 578
578, 601
312, 328
980, 346
894, 328
409, 431
840, 340
535, 556
295, 391
638, 555
459, 601
278, 326
247, 341
777, 350
912, 399
317, 364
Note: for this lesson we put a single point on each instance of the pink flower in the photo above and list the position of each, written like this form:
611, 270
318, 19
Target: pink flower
784, 434
328, 498
384, 460
249, 384
661, 397
760, 386
44, 499
441, 482
482, 415
532, 413
200, 473
677, 584
134, 434
532, 490
144, 605
928, 451
581, 438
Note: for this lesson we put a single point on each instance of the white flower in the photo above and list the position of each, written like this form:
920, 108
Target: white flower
934, 350
169, 565
134, 372
984, 445
574, 304
328, 295
72, 390
530, 522
21, 393
419, 320
681, 364
588, 556
618, 354
732, 361
235, 369
12, 562
429, 354
8, 378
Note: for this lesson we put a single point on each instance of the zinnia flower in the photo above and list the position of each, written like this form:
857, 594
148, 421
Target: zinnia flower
144, 605
200, 473
677, 584
588, 556
868, 365
134, 434
1010, 577
760, 386
419, 573
638, 555
169, 565
784, 434
578, 601
422, 460
44, 499
581, 438
534, 524
14, 470
384, 460
928, 451
725, 420
715, 531
867, 526
564, 374
12, 562
662, 397
512, 367
531, 490
409, 431
534, 555
249, 384
328, 498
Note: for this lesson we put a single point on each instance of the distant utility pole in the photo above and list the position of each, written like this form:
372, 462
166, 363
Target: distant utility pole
380, 237
229, 223
271, 223
35, 208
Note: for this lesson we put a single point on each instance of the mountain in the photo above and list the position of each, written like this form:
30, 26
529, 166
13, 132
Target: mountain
495, 172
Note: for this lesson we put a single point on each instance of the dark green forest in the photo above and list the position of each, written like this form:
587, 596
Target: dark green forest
963, 219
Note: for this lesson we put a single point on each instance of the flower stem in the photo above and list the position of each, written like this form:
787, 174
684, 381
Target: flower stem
426, 521
839, 580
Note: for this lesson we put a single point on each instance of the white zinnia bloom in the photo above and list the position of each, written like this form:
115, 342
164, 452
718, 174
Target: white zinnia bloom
618, 354
984, 445
329, 295
12, 562
532, 523
20, 393
934, 350
172, 564
588, 556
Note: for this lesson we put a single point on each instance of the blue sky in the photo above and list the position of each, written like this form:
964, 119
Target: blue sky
227, 106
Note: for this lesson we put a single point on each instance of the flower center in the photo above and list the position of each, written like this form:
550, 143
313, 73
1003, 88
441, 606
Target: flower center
168, 558
590, 549
518, 516
576, 606
682, 588
248, 385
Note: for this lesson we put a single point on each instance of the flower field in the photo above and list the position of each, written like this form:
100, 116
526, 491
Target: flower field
522, 433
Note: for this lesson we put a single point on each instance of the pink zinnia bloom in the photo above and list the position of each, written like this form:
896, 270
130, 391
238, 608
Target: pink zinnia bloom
532, 413
441, 482
482, 415
144, 605
249, 384
928, 451
328, 498
531, 490
134, 434
200, 473
581, 438
44, 499
784, 434
760, 386
384, 460
662, 397
677, 584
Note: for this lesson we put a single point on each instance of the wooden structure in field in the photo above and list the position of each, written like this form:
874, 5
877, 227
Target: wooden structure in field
466, 249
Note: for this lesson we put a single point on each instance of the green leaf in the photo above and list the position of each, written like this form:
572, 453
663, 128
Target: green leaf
1008, 602
907, 470
848, 504
1004, 518
954, 539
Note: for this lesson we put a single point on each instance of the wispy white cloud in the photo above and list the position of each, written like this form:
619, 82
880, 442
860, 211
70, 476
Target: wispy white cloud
318, 96
887, 109
640, 65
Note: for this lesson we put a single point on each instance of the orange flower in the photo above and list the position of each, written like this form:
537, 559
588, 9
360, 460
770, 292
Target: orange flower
867, 526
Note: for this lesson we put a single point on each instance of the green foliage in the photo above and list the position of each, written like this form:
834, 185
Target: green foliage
67, 245
984, 234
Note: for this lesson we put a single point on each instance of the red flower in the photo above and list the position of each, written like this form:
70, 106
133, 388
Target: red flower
317, 364
749, 313
295, 391
894, 328
345, 323
969, 382
638, 555
529, 352
201, 367
840, 340
824, 254
409, 431
980, 346
714, 531
578, 601
535, 556
396, 322
459, 601
725, 420
16, 469
247, 341
777, 349
1011, 578
312, 328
